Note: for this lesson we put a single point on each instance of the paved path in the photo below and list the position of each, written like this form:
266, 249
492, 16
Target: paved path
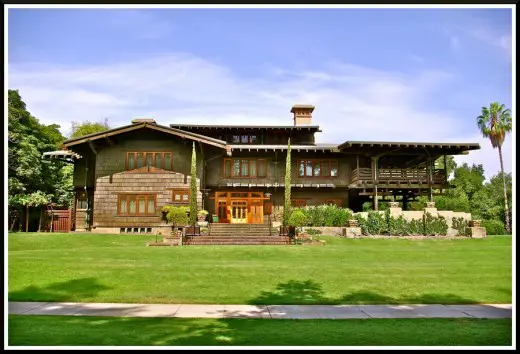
261, 311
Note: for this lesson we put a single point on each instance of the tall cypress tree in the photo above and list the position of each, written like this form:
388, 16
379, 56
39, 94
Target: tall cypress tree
287, 201
193, 187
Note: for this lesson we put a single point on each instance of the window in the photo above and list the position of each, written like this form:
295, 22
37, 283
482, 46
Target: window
158, 160
336, 202
245, 168
82, 204
268, 208
317, 168
298, 203
181, 196
136, 204
245, 139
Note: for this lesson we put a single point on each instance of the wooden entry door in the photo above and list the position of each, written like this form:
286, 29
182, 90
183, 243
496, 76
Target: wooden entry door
222, 211
239, 211
257, 212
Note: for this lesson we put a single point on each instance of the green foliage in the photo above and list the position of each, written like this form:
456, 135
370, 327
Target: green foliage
176, 214
434, 226
461, 225
287, 195
28, 177
378, 223
86, 128
367, 206
328, 215
415, 227
298, 218
203, 212
313, 232
193, 187
494, 227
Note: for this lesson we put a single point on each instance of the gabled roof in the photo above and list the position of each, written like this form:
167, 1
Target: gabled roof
315, 128
153, 126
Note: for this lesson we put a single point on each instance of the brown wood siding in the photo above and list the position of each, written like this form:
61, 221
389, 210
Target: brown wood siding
112, 179
276, 172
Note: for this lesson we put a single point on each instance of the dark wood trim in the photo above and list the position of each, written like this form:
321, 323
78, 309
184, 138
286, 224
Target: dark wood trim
137, 197
153, 153
258, 161
321, 176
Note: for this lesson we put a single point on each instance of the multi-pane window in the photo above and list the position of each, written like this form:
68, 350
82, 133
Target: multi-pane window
317, 168
136, 204
251, 168
181, 196
159, 160
245, 139
82, 204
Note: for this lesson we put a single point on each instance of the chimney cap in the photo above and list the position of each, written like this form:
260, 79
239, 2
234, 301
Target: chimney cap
143, 120
304, 107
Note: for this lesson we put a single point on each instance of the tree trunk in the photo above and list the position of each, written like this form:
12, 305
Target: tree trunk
15, 219
508, 223
27, 218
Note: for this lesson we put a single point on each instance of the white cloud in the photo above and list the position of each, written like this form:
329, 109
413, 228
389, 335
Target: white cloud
454, 40
352, 102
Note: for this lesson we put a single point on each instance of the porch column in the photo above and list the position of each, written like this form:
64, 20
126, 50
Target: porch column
374, 180
430, 178
445, 170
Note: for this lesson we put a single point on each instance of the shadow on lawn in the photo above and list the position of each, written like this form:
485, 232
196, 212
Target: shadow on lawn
73, 290
309, 292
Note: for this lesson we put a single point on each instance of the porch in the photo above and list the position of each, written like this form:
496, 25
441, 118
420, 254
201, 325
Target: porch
398, 177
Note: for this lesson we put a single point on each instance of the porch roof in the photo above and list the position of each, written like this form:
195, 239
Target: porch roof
449, 148
185, 127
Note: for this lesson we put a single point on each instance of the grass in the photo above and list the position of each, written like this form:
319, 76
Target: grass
120, 268
106, 331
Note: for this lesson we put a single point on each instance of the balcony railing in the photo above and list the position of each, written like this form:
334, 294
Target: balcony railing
398, 176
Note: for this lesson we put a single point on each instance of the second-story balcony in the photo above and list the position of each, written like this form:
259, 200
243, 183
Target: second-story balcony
365, 177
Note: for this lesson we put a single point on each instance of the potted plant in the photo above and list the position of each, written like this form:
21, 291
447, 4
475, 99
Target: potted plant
201, 215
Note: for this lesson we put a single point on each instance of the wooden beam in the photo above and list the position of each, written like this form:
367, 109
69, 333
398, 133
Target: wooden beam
92, 147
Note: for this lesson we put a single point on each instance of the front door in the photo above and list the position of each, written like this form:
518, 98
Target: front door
257, 211
222, 211
238, 211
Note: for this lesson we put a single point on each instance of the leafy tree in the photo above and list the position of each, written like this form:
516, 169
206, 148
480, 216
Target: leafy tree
87, 127
287, 200
193, 187
469, 179
494, 123
27, 175
298, 219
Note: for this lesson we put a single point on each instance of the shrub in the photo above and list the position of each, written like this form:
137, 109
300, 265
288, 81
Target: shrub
434, 226
177, 215
327, 215
367, 206
398, 227
461, 225
375, 224
297, 218
494, 227
313, 232
415, 227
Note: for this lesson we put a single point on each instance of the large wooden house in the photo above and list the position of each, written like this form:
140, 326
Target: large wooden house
124, 176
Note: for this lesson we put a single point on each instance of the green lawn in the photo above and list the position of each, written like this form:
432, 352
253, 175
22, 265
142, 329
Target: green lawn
105, 331
120, 268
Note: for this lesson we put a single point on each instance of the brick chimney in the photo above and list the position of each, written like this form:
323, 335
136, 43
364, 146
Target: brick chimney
143, 120
302, 114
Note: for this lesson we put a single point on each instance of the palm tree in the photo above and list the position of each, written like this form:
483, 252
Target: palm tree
494, 123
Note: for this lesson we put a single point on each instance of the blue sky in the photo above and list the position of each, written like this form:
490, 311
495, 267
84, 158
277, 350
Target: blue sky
373, 74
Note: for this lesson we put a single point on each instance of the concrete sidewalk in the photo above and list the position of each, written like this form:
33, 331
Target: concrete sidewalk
261, 311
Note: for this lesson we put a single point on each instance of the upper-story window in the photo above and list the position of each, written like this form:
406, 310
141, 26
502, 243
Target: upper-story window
317, 168
160, 160
245, 139
251, 168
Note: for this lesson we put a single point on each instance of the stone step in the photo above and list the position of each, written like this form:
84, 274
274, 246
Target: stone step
200, 243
